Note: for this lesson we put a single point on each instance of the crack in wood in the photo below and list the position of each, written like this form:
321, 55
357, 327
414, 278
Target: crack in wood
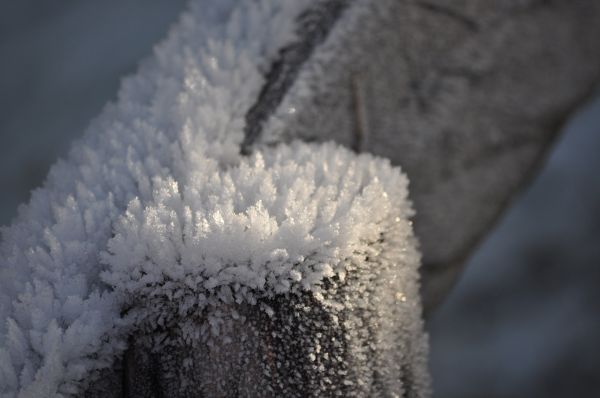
361, 130
451, 13
314, 26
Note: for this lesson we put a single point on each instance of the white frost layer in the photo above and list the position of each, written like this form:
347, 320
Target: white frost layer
282, 220
59, 321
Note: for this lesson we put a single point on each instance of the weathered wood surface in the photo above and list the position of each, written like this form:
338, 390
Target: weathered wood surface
466, 96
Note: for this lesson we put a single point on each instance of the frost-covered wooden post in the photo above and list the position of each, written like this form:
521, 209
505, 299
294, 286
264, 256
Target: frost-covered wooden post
293, 273
191, 245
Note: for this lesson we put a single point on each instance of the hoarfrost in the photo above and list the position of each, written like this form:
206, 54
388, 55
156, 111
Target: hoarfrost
291, 273
156, 226
280, 221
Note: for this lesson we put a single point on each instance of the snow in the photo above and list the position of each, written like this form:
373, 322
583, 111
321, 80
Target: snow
155, 219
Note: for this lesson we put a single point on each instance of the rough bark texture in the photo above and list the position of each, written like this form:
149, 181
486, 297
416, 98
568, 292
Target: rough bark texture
464, 95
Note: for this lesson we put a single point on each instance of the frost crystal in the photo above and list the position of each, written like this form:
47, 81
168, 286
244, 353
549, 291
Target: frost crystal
286, 274
283, 273
278, 222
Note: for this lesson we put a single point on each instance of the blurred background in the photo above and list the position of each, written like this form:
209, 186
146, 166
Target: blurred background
523, 320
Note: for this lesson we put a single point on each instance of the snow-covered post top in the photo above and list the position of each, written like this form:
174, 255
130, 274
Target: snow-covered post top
288, 272
293, 272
